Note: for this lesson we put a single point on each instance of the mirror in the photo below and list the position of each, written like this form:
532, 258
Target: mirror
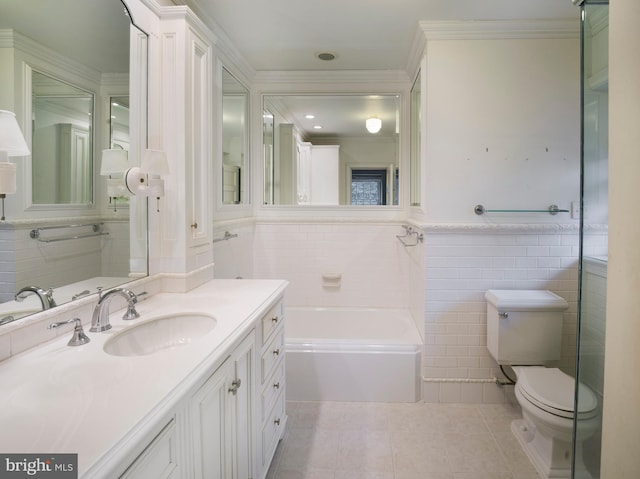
235, 174
318, 150
61, 142
69, 65
415, 142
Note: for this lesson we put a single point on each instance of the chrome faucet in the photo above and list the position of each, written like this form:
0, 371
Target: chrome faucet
46, 296
100, 319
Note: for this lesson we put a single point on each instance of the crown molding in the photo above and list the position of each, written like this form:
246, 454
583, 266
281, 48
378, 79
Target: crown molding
313, 77
416, 52
500, 29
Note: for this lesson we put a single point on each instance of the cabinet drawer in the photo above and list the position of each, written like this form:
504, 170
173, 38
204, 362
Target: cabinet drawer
271, 321
273, 430
272, 354
272, 389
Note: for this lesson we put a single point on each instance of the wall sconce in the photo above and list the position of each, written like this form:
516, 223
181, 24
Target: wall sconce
373, 124
147, 180
114, 162
12, 143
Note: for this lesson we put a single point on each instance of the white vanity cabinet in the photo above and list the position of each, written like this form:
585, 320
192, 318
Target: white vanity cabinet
229, 423
220, 418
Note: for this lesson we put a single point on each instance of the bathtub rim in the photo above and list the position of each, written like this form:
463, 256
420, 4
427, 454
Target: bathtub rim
411, 343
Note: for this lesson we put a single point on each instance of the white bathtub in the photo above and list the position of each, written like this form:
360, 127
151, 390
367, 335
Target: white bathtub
352, 354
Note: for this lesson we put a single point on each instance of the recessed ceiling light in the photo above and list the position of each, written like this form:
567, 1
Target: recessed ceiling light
317, 127
309, 117
326, 56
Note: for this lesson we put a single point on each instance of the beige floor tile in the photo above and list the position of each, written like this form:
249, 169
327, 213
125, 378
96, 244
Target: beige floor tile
332, 440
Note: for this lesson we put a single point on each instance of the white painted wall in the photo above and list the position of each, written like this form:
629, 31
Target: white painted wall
502, 128
621, 434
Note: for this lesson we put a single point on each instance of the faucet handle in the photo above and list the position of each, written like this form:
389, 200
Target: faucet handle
78, 338
131, 312
131, 306
49, 295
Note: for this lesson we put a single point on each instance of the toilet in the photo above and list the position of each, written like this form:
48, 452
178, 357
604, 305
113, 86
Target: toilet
524, 331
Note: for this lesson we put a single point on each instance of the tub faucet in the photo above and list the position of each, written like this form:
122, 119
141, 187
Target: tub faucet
100, 319
45, 296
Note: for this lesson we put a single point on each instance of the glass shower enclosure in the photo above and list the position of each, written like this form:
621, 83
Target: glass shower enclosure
593, 224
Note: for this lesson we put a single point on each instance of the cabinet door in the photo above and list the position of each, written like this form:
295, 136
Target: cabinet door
222, 418
158, 460
242, 413
198, 145
211, 427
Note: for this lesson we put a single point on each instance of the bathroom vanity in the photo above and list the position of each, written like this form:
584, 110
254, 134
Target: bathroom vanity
202, 397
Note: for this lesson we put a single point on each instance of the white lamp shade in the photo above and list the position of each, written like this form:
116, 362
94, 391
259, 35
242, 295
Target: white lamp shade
7, 178
114, 161
11, 139
373, 124
154, 162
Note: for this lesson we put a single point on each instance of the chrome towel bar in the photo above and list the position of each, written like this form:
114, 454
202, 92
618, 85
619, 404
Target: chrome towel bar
95, 227
552, 210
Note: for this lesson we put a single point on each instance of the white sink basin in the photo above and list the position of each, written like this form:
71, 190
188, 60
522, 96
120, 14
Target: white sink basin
160, 334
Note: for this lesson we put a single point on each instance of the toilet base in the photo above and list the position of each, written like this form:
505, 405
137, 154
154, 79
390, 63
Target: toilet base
550, 457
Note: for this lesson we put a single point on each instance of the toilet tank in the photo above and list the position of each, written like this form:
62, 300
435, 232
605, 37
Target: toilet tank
524, 327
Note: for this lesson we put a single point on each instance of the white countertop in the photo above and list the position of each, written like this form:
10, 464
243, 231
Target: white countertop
61, 399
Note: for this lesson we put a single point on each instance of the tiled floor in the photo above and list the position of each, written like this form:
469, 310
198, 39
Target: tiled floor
333, 440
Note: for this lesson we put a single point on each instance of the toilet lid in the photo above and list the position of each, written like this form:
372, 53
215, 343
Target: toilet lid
553, 391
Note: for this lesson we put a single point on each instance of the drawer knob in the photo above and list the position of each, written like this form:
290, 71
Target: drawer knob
276, 385
276, 352
277, 422
274, 319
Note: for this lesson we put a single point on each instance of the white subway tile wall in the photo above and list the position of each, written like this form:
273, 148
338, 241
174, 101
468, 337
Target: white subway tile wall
26, 261
373, 264
460, 267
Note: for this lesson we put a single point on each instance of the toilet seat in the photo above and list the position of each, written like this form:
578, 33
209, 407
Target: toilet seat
553, 391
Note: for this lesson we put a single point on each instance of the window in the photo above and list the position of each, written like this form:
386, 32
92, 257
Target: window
369, 187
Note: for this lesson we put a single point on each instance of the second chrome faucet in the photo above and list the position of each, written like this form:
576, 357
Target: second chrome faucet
100, 319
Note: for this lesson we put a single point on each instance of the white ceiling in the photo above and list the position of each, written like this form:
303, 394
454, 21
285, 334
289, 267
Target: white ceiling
277, 35
364, 34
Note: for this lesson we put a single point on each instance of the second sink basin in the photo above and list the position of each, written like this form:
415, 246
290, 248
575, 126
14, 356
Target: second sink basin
159, 334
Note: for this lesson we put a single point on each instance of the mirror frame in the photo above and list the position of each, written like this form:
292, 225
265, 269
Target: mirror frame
415, 155
246, 181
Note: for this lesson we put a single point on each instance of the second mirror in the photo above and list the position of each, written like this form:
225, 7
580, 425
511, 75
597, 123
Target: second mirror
331, 150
